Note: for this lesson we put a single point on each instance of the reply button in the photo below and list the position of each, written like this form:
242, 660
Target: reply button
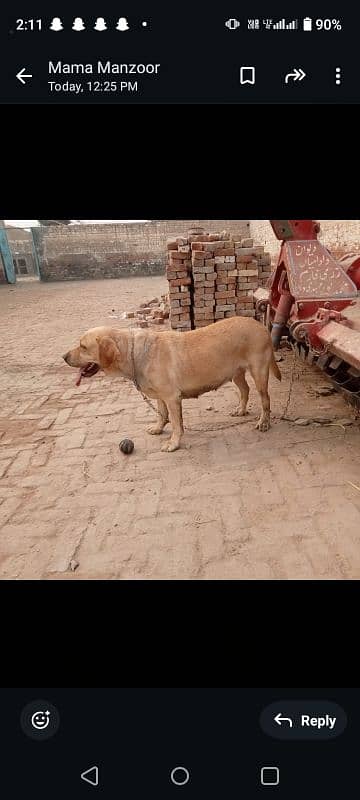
302, 719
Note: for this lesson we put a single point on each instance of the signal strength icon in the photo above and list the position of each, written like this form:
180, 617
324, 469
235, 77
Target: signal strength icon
282, 25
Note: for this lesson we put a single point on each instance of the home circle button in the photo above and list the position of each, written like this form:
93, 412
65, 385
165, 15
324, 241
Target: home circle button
180, 776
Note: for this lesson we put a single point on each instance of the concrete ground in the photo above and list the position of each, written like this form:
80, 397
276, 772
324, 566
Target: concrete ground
233, 503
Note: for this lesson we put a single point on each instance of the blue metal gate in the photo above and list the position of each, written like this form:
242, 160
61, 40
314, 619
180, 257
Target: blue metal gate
6, 257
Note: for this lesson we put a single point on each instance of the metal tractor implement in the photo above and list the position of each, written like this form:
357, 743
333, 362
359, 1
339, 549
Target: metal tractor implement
305, 301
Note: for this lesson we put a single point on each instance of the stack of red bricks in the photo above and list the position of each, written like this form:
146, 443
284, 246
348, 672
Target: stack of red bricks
213, 276
178, 273
264, 264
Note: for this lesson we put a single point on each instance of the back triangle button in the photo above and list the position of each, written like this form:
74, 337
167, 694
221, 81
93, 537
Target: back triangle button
91, 776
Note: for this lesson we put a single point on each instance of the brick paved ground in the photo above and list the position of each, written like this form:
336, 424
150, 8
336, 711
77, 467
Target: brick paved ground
232, 503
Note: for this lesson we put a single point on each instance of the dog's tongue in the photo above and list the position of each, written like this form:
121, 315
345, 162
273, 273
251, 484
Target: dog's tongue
79, 376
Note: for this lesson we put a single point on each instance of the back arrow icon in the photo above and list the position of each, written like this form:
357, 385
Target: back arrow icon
22, 74
297, 75
279, 719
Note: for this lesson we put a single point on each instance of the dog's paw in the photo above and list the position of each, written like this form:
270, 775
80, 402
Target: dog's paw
263, 425
169, 447
154, 430
238, 412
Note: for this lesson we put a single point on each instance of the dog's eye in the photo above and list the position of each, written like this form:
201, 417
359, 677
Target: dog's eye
82, 347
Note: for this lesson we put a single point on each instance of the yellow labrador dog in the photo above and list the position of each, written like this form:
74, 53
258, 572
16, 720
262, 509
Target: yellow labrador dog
171, 366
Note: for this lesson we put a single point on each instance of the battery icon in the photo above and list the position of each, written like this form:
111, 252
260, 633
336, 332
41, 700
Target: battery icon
307, 24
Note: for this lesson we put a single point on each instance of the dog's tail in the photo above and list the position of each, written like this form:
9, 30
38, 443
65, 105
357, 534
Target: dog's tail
274, 367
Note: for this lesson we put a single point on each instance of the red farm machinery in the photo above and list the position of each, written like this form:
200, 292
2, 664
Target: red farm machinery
307, 295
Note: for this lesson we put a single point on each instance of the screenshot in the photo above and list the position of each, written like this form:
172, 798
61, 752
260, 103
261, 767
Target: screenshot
187, 743
180, 400
181, 53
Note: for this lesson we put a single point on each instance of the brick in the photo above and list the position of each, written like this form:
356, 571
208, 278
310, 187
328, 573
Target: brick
184, 248
209, 283
196, 246
220, 245
63, 416
229, 259
209, 314
209, 303
221, 287
225, 307
249, 273
197, 255
245, 251
232, 273
185, 301
199, 269
199, 303
210, 264
227, 252
209, 290
240, 259
4, 465
247, 243
181, 282
185, 325
247, 314
46, 422
220, 295
219, 259
174, 303
219, 314
20, 464
176, 255
171, 244
230, 314
209, 247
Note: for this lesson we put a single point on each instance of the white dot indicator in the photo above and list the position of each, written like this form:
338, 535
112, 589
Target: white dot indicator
144, 24
337, 75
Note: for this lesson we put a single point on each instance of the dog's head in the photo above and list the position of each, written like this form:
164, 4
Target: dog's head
98, 349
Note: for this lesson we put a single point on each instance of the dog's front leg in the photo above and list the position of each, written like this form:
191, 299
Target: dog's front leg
176, 420
162, 421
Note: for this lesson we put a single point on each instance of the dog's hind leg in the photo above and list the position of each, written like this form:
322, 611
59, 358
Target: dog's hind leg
241, 384
260, 375
176, 420
163, 419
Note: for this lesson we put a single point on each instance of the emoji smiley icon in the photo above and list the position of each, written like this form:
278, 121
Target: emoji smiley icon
40, 720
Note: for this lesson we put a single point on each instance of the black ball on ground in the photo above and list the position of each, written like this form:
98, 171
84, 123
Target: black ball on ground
126, 446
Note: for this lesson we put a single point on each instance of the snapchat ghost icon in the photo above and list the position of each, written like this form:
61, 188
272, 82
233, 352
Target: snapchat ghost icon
100, 24
78, 24
56, 24
122, 24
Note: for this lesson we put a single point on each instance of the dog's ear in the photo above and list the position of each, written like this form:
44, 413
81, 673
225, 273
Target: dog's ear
107, 352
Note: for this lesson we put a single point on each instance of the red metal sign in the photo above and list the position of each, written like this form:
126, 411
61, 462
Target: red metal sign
313, 272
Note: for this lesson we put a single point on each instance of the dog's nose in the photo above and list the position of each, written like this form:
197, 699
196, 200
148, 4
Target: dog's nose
66, 356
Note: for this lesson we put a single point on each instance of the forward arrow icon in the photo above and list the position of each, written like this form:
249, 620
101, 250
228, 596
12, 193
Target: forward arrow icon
297, 75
